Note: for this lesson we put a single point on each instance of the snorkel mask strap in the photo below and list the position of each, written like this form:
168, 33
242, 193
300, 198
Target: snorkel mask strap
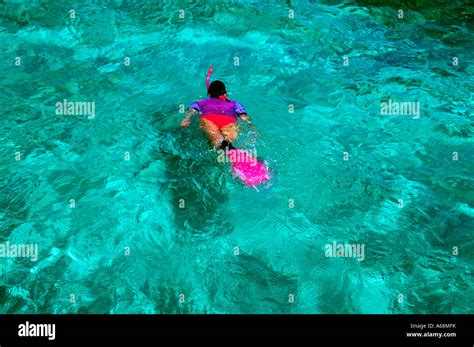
208, 77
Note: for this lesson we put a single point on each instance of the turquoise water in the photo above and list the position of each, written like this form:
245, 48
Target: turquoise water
170, 230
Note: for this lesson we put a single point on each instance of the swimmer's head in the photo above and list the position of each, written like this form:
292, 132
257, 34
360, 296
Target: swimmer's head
216, 89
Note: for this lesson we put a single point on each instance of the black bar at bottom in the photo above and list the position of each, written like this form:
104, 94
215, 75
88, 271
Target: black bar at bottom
390, 328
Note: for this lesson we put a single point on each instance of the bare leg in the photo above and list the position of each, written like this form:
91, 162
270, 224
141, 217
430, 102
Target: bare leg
212, 131
229, 132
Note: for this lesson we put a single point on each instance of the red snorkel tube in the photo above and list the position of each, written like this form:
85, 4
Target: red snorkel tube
208, 77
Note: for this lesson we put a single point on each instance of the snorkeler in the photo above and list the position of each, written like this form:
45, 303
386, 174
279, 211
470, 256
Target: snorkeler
218, 115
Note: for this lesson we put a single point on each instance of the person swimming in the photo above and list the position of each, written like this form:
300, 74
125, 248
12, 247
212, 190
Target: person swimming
217, 114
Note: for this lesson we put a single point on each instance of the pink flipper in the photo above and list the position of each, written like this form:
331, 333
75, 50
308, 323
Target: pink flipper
247, 168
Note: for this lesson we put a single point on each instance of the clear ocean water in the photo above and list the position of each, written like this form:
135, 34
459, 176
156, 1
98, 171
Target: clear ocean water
170, 230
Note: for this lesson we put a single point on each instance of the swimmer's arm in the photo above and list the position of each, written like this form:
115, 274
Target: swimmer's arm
245, 117
187, 120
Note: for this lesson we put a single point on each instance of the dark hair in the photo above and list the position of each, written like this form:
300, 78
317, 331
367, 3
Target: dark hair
216, 89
